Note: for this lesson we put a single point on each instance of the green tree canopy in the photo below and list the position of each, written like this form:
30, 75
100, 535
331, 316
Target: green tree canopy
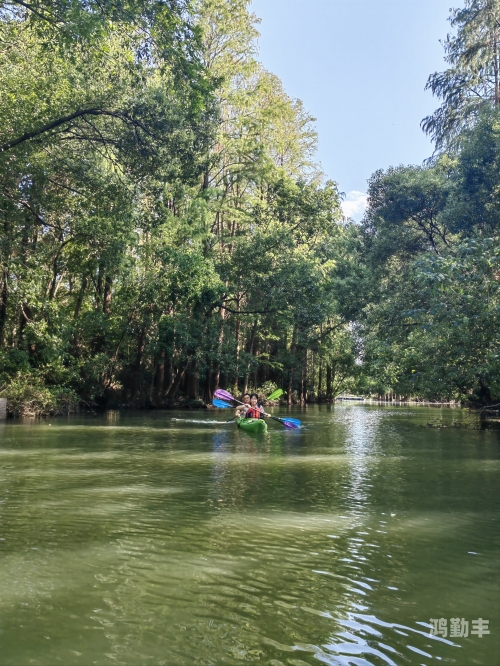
472, 82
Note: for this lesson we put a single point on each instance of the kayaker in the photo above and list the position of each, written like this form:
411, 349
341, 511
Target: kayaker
255, 411
241, 410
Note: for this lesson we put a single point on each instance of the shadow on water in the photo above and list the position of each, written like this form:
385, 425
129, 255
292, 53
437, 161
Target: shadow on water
156, 538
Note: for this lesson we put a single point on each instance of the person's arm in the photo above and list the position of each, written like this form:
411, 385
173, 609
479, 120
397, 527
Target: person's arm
262, 410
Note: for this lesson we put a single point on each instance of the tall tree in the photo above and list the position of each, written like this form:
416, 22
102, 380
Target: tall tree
473, 79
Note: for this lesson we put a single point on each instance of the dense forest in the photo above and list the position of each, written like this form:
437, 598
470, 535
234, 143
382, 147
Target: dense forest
165, 228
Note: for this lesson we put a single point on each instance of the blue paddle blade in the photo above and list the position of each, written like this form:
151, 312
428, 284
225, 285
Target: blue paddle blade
221, 404
290, 424
296, 421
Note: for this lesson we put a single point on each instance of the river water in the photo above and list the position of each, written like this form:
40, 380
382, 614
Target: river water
167, 538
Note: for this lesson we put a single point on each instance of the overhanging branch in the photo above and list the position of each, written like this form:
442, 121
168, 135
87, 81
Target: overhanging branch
247, 312
56, 123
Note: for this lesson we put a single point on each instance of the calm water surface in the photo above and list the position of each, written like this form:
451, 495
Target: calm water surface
141, 539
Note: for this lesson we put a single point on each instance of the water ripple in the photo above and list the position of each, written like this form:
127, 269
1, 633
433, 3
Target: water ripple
137, 541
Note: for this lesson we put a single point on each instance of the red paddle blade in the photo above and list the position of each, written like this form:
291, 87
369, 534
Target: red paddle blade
223, 395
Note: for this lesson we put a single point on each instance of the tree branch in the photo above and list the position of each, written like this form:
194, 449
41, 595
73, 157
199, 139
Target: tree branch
247, 312
56, 123
30, 8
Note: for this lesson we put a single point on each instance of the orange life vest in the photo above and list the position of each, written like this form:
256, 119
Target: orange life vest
253, 413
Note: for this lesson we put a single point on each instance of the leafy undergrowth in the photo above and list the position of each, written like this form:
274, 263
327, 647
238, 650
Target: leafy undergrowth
27, 395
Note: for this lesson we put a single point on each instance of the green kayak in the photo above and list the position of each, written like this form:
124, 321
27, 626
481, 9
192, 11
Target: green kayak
252, 425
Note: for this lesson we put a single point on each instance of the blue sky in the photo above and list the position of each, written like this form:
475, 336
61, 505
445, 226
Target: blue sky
360, 67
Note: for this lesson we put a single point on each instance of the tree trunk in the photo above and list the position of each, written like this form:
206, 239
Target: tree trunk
249, 349
303, 381
98, 291
79, 300
255, 353
320, 379
192, 384
208, 385
495, 68
293, 348
137, 377
168, 377
329, 387
159, 379
25, 317
51, 287
58, 284
3, 307
177, 381
220, 341
106, 301
237, 339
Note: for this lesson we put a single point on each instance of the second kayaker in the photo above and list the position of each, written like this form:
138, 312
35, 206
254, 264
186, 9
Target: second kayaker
255, 411
241, 410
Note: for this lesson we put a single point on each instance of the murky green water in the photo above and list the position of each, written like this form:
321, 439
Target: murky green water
146, 540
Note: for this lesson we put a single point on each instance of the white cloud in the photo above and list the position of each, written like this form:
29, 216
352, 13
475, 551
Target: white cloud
354, 205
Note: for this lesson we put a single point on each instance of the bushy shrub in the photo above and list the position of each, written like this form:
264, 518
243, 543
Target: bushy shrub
27, 395
66, 401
